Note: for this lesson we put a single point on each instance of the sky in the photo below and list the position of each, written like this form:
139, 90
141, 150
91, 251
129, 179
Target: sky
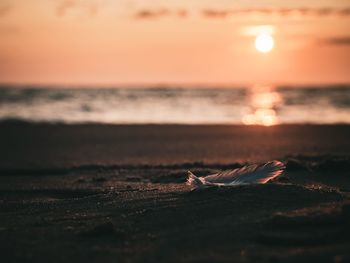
131, 42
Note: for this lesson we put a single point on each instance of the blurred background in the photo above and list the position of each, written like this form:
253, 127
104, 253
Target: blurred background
187, 62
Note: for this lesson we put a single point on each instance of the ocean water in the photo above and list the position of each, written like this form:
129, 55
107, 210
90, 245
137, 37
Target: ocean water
262, 105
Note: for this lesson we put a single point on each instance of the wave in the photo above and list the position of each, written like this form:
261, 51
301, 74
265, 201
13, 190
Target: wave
264, 105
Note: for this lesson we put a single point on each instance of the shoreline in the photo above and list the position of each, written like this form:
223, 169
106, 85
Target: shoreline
20, 122
46, 146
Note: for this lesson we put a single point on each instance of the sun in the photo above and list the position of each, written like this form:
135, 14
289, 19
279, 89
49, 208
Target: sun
264, 43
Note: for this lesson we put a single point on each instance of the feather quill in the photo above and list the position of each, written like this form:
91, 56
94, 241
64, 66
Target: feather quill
249, 174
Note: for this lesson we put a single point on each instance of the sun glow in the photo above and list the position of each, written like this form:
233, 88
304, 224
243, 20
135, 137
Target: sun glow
264, 103
264, 43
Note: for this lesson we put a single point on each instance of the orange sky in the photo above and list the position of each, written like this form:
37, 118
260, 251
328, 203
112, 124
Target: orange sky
87, 42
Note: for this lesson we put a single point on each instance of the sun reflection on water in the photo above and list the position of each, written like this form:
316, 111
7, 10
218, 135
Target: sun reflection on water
263, 103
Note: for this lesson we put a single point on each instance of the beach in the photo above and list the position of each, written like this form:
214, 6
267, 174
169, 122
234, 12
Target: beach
117, 193
174, 132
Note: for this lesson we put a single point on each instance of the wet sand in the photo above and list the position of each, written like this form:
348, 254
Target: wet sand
92, 193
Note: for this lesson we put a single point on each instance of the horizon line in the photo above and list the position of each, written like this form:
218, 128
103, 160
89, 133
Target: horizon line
167, 85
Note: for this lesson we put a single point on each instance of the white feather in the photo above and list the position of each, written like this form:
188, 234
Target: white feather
249, 174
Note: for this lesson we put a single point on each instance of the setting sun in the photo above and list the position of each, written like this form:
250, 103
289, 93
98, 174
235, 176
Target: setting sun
264, 43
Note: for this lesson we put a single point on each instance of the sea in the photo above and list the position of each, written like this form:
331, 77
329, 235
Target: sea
253, 105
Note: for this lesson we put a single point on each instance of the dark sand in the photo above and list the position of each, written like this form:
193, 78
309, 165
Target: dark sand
92, 193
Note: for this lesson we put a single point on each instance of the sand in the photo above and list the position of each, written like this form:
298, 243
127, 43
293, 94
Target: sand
104, 193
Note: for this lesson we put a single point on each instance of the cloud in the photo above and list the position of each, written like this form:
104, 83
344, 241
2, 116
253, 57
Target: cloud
338, 41
64, 6
210, 13
345, 12
226, 13
317, 12
86, 6
5, 9
149, 14
161, 12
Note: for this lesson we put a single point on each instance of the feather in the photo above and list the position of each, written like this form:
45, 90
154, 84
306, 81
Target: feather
249, 174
